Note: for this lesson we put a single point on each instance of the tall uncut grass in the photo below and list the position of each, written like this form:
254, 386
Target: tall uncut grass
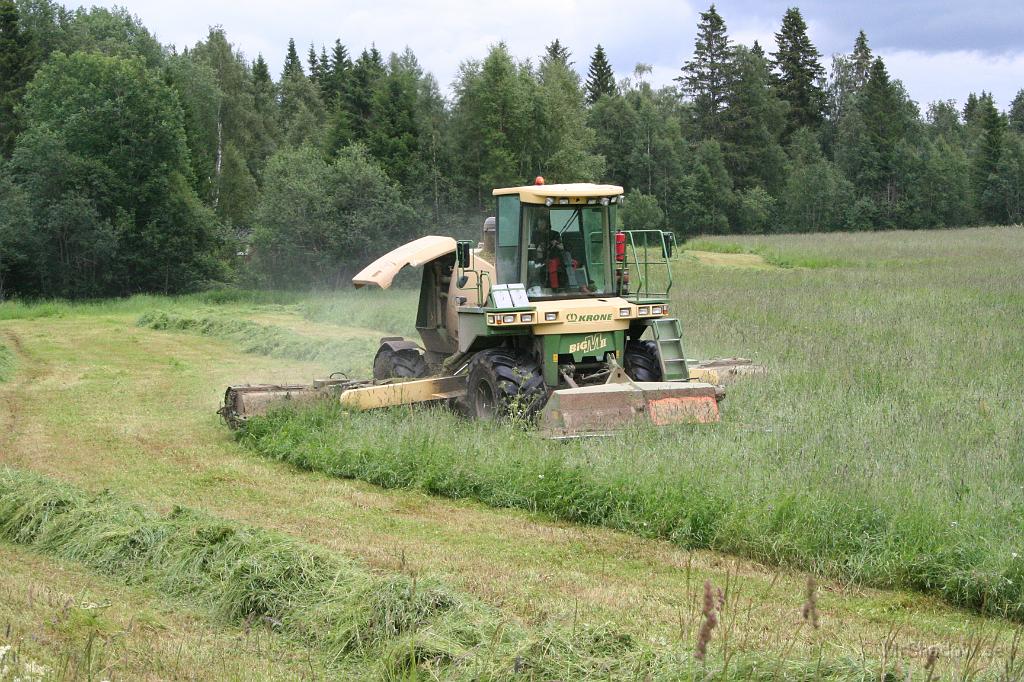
637, 482
396, 626
885, 446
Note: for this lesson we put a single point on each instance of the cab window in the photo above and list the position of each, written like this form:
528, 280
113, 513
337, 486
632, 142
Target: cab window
567, 250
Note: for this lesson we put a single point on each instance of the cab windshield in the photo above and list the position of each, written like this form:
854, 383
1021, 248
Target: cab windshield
567, 250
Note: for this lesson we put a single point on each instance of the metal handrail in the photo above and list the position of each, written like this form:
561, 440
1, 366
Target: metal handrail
644, 267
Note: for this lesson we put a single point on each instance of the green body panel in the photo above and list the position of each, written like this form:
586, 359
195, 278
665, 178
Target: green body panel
579, 346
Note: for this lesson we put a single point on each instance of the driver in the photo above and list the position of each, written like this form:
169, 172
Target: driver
551, 253
548, 240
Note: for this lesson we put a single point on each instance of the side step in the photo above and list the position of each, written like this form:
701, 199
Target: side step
668, 334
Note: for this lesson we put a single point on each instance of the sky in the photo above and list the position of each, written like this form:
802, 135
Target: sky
941, 50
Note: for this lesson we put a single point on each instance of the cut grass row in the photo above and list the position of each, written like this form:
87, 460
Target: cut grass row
69, 623
268, 340
392, 626
659, 495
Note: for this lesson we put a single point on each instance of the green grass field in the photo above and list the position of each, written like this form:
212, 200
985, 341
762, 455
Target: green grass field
882, 453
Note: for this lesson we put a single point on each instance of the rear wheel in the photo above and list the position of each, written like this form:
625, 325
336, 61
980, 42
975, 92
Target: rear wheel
641, 362
503, 384
403, 363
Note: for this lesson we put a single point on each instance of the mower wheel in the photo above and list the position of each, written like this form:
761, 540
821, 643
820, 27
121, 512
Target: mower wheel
641, 362
502, 384
401, 363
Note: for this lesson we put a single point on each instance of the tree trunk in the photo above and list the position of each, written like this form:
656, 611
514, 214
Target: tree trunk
220, 158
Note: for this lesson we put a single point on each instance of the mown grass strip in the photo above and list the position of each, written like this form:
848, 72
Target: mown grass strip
774, 257
268, 340
605, 483
402, 628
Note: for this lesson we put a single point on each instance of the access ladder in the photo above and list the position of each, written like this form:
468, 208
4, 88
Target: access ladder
668, 335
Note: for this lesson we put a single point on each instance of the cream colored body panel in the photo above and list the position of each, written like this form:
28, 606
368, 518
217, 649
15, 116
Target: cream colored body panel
538, 194
455, 292
403, 393
382, 271
576, 316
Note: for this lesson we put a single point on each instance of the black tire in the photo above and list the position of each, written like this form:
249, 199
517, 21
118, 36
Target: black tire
404, 363
641, 362
502, 384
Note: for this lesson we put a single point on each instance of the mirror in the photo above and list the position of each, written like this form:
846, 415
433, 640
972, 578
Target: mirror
464, 253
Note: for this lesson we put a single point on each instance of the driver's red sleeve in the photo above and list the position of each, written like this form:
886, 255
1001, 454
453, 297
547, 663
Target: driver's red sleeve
553, 272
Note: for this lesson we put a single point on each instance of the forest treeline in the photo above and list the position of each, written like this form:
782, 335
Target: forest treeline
128, 166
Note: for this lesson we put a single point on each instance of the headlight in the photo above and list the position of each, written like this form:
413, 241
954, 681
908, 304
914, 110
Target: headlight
656, 310
508, 319
643, 310
526, 317
625, 312
550, 317
490, 319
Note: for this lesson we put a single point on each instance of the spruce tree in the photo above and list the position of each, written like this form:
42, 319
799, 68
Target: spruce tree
557, 52
336, 74
860, 60
706, 77
971, 108
314, 64
14, 68
393, 133
870, 140
799, 74
264, 95
600, 77
986, 161
261, 72
367, 74
752, 124
292, 63
1016, 114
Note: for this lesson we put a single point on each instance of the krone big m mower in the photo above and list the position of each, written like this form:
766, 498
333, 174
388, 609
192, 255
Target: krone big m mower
555, 312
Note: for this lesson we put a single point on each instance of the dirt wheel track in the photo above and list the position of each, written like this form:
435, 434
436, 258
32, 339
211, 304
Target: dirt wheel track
26, 372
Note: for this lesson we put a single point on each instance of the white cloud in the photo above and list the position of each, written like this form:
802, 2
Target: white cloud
953, 75
443, 34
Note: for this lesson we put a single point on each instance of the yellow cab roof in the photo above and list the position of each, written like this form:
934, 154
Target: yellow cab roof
537, 194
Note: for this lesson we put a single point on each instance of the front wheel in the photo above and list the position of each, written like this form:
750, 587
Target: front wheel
502, 384
642, 361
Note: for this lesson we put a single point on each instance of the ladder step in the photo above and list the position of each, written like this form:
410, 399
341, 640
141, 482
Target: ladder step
668, 337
